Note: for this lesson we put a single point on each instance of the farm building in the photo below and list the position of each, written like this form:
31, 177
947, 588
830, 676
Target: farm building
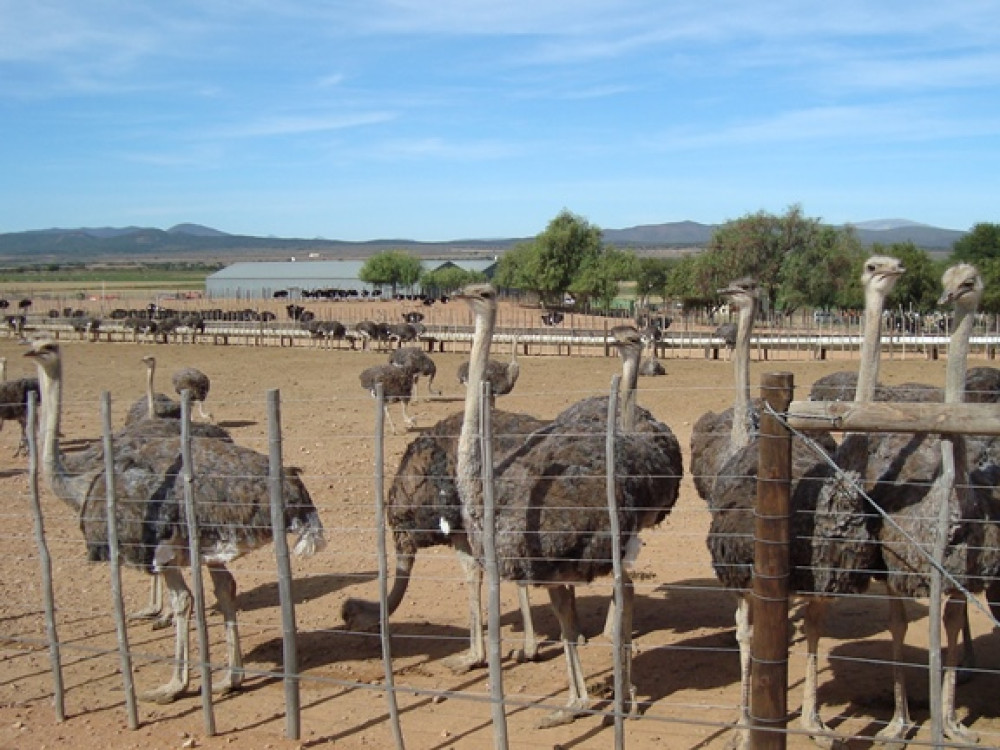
296, 279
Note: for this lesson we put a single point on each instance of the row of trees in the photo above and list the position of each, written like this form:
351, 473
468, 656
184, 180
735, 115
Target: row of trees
798, 262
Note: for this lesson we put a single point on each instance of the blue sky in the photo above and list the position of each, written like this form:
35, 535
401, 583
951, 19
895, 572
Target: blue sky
448, 119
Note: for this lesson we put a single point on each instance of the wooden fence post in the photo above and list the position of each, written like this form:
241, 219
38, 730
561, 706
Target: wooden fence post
769, 647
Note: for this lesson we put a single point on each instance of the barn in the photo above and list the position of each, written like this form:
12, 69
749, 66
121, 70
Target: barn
298, 279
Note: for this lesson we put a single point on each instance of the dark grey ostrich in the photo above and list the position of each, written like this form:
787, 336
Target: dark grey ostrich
419, 363
832, 550
502, 376
423, 510
232, 497
163, 407
397, 385
14, 396
194, 380
912, 481
551, 499
718, 435
651, 366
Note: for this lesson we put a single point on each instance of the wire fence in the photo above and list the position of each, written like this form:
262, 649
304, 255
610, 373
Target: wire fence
387, 681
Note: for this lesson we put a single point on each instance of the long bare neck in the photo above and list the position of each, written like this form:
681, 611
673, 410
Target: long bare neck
469, 464
739, 435
958, 356
871, 345
50, 385
630, 384
150, 401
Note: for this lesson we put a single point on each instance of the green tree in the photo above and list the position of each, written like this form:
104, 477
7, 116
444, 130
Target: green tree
982, 243
682, 282
919, 288
393, 267
516, 267
599, 276
990, 270
818, 273
448, 279
757, 246
651, 278
568, 242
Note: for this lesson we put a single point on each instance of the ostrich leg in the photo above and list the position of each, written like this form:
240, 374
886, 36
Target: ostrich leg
180, 603
561, 598
815, 617
895, 732
225, 592
154, 610
476, 654
955, 618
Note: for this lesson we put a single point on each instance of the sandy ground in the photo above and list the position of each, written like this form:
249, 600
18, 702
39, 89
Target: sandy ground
686, 668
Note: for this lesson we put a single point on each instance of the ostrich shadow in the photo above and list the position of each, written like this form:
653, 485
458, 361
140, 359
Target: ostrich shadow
304, 589
230, 424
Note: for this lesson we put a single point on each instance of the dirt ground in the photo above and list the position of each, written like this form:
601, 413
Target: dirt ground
686, 669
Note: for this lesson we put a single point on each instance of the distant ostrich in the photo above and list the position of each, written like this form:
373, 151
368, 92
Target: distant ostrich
912, 483
14, 396
419, 363
157, 404
832, 550
562, 537
651, 366
727, 332
194, 380
501, 375
232, 500
397, 385
715, 437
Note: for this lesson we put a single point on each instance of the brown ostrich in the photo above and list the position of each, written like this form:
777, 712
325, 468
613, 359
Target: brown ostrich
561, 538
232, 497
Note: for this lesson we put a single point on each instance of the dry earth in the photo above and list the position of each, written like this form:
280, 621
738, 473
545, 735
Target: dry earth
686, 667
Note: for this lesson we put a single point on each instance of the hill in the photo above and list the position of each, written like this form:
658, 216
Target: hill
197, 243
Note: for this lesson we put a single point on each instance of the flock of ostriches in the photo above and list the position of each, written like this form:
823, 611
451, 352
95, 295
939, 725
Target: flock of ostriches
552, 525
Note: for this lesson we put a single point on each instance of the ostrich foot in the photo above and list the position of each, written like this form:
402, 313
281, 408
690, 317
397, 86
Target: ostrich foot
631, 708
563, 716
163, 622
464, 662
526, 654
820, 733
164, 694
740, 739
894, 735
232, 682
957, 732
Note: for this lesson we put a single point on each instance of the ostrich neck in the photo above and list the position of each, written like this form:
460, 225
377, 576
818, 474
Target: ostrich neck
870, 346
52, 465
150, 401
739, 432
958, 356
630, 382
469, 464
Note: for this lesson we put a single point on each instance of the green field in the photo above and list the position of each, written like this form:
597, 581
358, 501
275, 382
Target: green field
168, 275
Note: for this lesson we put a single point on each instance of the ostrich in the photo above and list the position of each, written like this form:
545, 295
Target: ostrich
156, 404
162, 407
14, 396
232, 497
728, 333
501, 375
418, 362
423, 509
717, 436
194, 380
911, 483
651, 366
832, 551
397, 385
561, 537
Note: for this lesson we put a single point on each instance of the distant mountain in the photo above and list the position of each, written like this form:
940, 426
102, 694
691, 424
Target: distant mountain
195, 242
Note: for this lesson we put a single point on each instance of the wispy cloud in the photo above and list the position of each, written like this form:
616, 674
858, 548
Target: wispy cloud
301, 124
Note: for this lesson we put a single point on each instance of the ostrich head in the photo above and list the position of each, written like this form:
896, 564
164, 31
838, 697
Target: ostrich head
963, 286
742, 293
881, 273
45, 353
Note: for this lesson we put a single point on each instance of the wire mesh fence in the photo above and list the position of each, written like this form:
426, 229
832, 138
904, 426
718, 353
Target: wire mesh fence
686, 661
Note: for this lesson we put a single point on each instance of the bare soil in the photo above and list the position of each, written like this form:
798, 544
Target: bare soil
685, 668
